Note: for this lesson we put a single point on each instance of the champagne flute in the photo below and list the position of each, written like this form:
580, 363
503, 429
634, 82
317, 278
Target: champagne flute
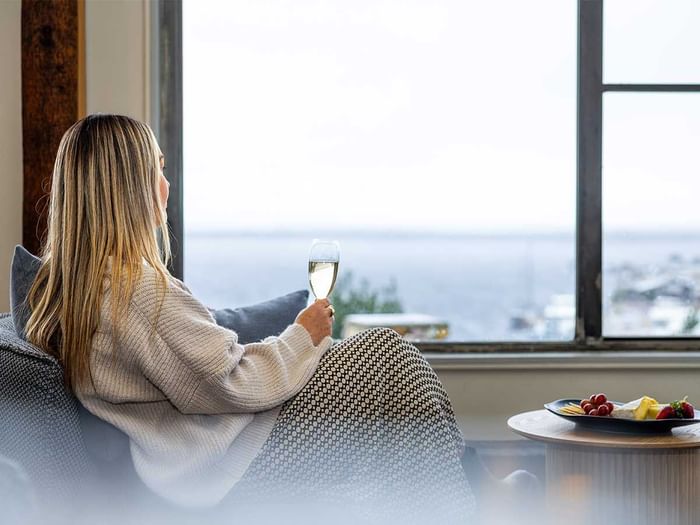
323, 267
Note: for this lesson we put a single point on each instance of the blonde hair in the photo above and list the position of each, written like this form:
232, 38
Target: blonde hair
104, 211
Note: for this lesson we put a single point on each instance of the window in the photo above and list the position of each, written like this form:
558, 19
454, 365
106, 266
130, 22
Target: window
512, 170
651, 163
434, 140
651, 129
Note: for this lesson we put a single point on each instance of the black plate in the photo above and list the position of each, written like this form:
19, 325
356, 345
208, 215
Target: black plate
612, 424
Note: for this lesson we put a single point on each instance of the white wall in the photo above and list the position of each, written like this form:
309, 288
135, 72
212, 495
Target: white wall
117, 62
10, 140
484, 399
117, 57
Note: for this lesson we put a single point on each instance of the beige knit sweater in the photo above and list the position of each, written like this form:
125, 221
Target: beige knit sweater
196, 405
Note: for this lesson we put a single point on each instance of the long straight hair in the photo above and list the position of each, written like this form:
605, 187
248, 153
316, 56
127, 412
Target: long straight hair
103, 223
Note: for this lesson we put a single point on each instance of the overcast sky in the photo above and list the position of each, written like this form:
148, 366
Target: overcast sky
441, 115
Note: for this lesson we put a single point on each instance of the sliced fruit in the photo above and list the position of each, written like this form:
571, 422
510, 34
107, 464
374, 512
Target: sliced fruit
666, 412
654, 411
644, 403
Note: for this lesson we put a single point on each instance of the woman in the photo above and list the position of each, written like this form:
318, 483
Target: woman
363, 425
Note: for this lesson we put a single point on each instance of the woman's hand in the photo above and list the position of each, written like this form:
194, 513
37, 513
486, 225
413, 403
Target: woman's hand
317, 318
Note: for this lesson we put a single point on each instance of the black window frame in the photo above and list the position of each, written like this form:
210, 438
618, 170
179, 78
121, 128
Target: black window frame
167, 117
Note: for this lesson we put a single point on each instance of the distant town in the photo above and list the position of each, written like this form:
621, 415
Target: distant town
659, 300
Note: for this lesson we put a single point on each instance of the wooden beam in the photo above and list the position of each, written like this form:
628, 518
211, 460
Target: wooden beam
52, 94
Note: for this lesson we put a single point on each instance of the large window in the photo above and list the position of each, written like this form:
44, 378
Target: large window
434, 140
517, 172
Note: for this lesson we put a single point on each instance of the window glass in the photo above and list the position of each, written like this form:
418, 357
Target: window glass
651, 41
651, 218
434, 140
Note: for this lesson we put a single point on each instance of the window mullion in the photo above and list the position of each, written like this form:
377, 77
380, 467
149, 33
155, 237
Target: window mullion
652, 88
169, 118
589, 178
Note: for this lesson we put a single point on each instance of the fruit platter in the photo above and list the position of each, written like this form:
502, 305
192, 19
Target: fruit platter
645, 415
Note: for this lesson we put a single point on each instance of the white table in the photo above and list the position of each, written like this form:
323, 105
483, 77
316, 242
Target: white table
620, 479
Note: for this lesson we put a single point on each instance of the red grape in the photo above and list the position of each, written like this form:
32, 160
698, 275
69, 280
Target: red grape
610, 407
587, 407
593, 412
583, 402
600, 399
592, 398
603, 410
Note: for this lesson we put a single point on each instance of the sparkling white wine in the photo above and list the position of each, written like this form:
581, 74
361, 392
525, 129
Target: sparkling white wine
322, 276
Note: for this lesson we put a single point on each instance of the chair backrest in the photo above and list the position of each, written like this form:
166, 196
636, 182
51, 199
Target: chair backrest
68, 454
40, 422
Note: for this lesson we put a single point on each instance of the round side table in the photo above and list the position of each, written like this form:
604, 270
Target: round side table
620, 479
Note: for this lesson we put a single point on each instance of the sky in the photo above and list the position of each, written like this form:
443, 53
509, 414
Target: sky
436, 116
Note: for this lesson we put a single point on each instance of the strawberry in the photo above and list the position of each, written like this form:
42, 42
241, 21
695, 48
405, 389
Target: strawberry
667, 412
687, 410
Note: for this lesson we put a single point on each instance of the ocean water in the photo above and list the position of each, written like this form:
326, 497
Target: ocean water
475, 283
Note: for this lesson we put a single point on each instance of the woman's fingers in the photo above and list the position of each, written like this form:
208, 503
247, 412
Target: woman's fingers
318, 319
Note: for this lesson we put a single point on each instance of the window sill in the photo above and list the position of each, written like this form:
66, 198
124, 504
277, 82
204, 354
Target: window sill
588, 360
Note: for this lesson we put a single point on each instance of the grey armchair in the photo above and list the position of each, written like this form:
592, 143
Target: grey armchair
74, 462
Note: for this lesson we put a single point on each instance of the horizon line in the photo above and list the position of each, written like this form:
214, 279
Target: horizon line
326, 233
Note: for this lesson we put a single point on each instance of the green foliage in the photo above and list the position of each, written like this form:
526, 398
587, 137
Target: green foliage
350, 298
690, 322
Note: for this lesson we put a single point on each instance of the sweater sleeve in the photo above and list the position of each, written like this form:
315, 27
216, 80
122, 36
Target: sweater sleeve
200, 367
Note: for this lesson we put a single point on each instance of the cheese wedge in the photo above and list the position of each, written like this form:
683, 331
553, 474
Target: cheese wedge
637, 409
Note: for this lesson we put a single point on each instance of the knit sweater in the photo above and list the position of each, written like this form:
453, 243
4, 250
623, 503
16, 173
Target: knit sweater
196, 405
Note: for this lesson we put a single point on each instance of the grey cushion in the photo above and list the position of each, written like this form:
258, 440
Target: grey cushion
40, 427
103, 442
256, 322
24, 269
68, 454
251, 323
